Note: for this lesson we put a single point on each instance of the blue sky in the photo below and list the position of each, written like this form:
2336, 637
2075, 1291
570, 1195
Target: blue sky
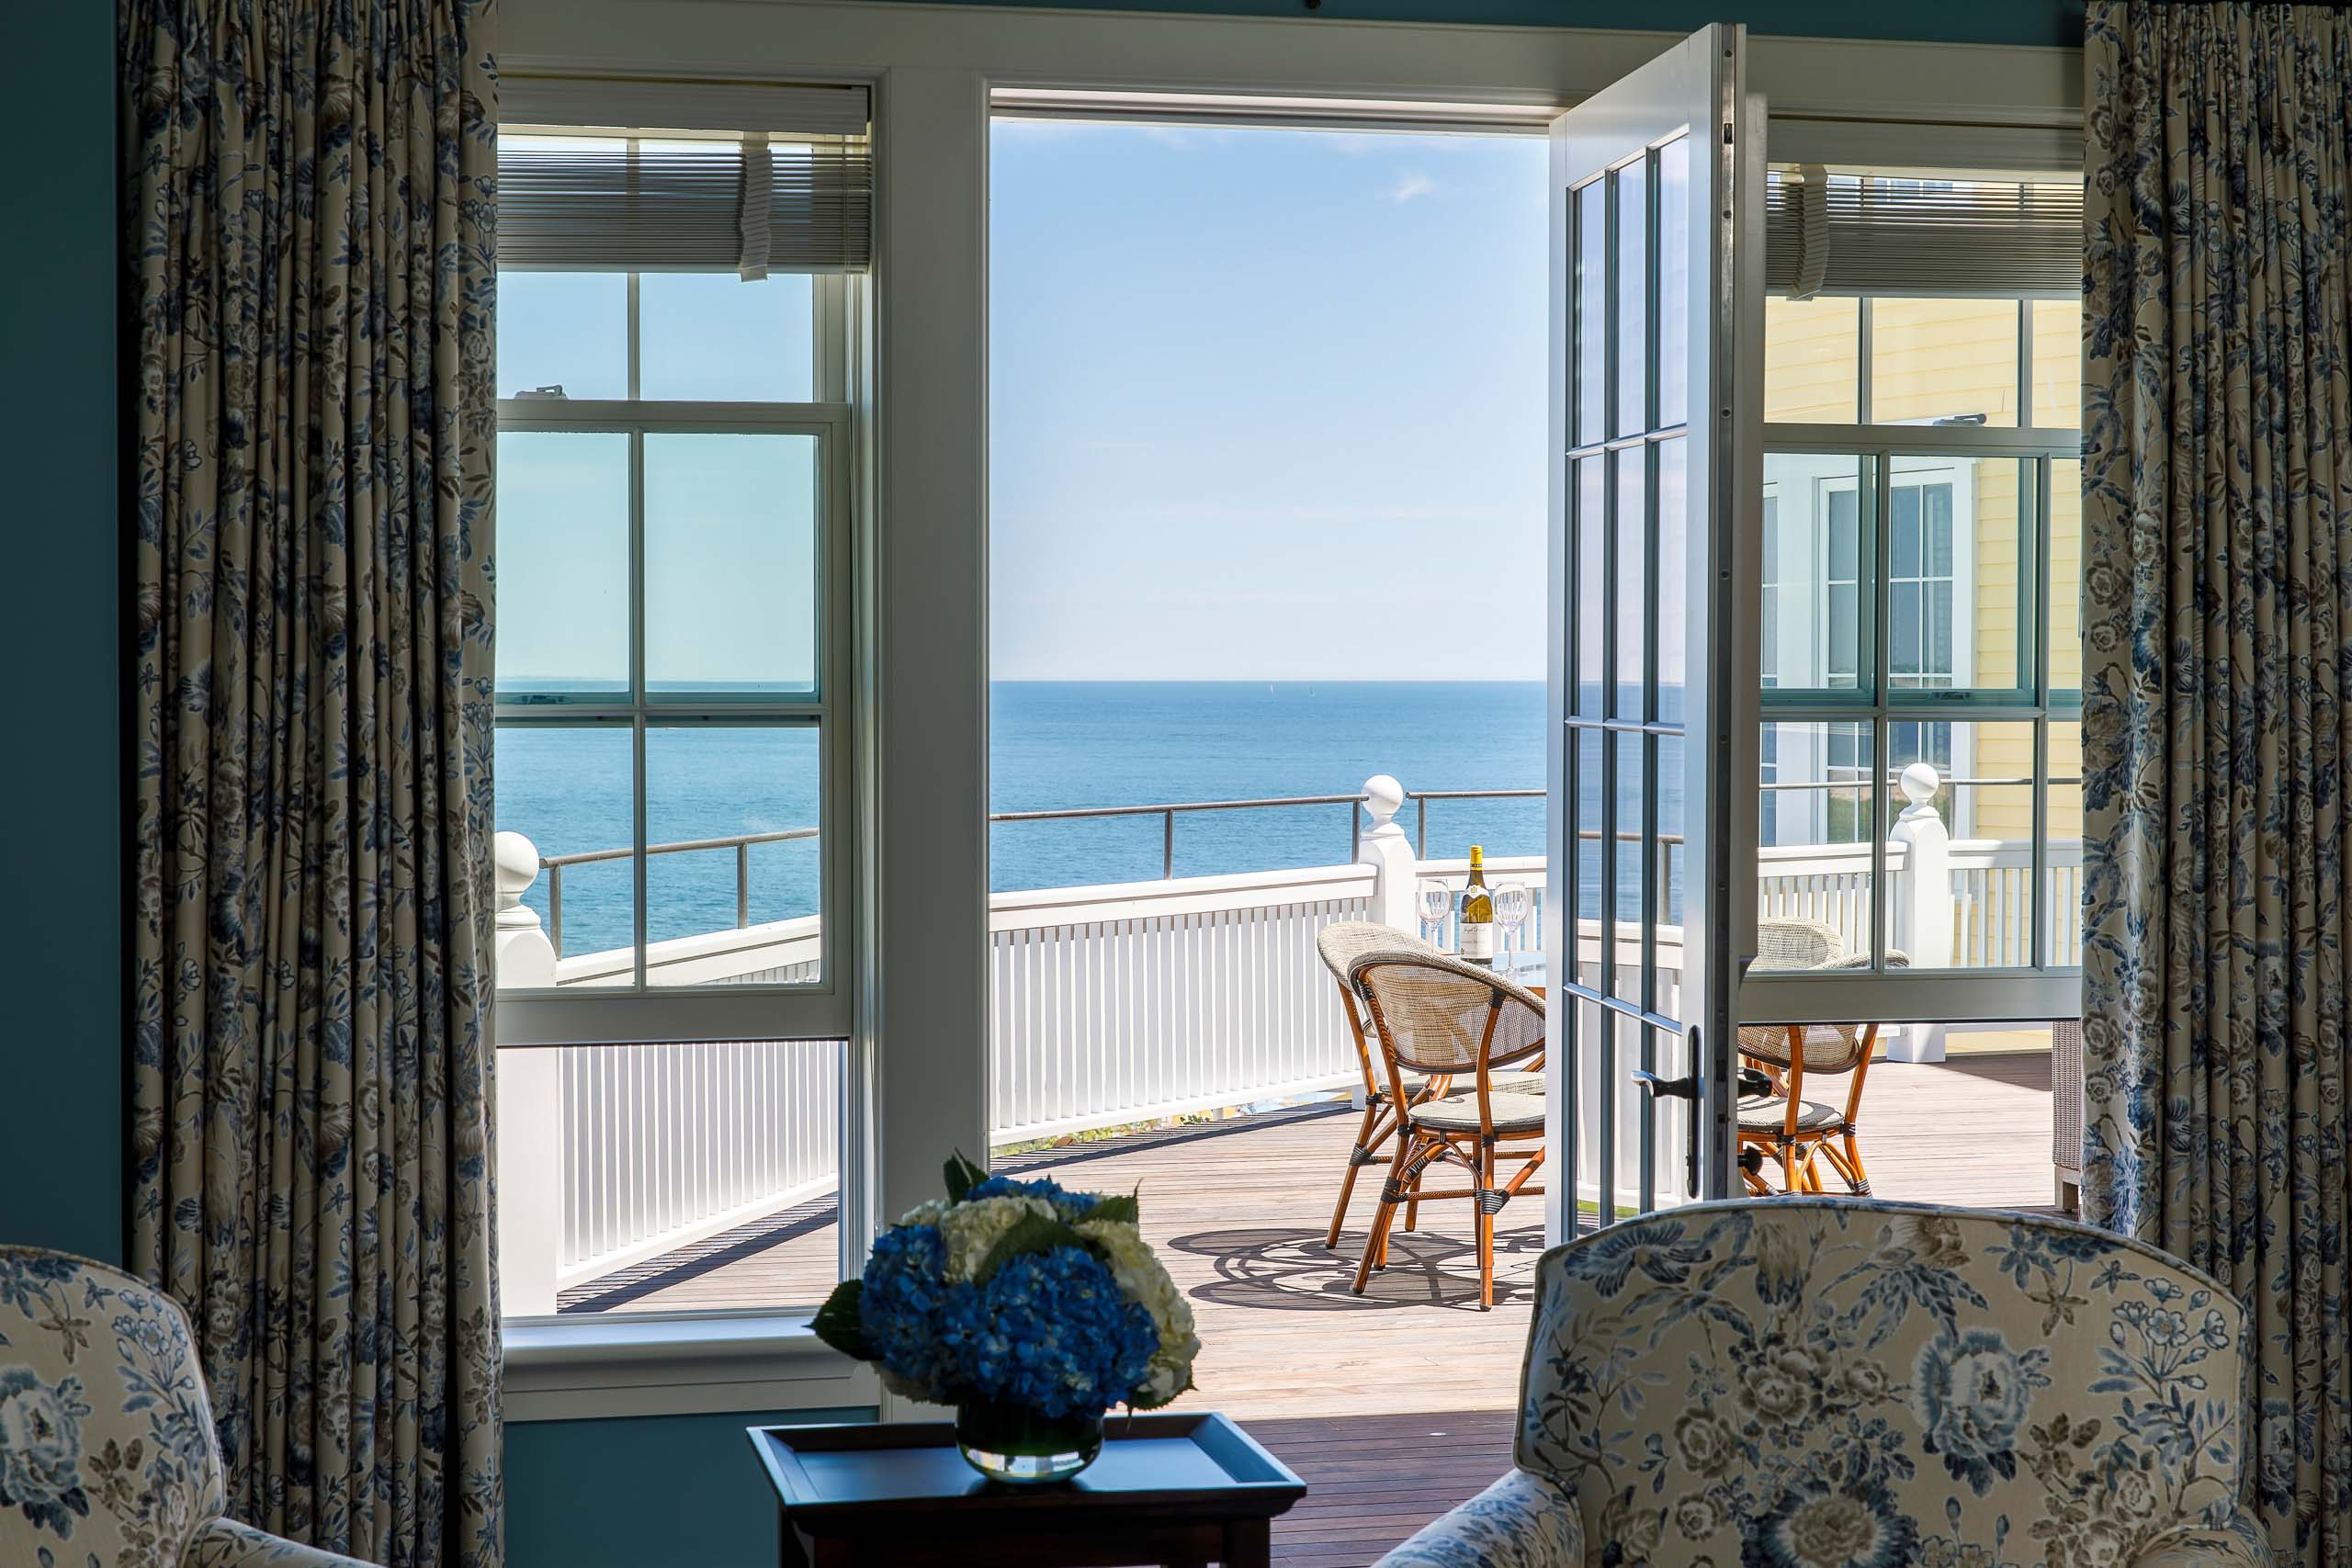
1266, 404
1263, 405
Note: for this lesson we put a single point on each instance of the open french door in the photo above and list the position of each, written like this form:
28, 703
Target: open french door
1656, 359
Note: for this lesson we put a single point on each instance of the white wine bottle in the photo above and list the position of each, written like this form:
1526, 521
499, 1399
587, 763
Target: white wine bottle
1476, 912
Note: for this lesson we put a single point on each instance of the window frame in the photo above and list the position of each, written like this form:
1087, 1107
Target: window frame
2033, 991
644, 1013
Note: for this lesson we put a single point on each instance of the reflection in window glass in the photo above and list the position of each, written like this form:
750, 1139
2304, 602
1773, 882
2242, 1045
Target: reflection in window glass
1814, 859
2057, 363
2064, 941
1944, 361
1673, 282
1813, 356
2065, 574
1817, 509
1592, 312
1632, 283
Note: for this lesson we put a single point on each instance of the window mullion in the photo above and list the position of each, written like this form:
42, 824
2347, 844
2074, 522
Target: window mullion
637, 664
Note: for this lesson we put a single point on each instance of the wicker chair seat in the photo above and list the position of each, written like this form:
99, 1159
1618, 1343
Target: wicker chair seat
1459, 1114
1772, 1115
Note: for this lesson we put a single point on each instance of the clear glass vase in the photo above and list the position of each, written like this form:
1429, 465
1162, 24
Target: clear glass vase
1022, 1447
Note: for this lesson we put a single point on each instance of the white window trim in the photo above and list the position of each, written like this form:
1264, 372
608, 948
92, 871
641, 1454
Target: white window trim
675, 1363
922, 419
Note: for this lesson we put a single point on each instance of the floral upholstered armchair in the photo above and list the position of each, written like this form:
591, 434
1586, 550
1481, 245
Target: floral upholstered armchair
1831, 1382
108, 1458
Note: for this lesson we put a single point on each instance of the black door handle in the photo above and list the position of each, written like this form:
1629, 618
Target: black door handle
1679, 1088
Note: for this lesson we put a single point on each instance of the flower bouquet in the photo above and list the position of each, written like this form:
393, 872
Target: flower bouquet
1030, 1309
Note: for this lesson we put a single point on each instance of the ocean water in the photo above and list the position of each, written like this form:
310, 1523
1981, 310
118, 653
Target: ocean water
1052, 745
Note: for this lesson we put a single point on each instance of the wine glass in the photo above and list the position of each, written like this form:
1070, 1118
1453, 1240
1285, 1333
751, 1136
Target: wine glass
1435, 900
1513, 903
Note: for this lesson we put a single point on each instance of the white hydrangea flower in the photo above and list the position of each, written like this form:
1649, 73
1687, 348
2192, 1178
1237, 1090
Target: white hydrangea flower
1144, 1281
971, 1230
925, 1213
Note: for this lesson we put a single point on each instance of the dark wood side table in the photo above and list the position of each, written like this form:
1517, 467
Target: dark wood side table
1170, 1491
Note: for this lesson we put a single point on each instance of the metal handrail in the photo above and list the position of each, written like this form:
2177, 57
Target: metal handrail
740, 842
1166, 812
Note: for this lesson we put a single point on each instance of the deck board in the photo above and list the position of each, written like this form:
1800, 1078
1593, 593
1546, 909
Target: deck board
1395, 1405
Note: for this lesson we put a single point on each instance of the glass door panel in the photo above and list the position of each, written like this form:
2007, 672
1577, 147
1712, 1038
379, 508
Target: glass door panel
1641, 968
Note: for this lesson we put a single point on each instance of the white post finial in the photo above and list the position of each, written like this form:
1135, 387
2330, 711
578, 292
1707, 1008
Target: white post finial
1386, 847
1924, 905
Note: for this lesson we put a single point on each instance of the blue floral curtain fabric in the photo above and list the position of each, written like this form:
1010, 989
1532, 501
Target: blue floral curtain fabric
2217, 572
311, 230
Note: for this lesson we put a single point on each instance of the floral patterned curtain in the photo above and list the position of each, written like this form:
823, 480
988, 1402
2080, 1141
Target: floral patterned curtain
311, 188
2218, 575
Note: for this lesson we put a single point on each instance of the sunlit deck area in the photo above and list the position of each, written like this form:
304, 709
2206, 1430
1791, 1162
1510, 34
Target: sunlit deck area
1238, 1209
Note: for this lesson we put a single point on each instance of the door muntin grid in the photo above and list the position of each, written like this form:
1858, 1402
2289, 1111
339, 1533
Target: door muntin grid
1625, 636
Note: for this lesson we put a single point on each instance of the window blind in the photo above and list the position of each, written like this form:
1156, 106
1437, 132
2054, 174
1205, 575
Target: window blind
1828, 233
744, 179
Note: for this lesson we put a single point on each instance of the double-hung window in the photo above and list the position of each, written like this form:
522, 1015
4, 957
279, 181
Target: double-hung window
1921, 520
679, 269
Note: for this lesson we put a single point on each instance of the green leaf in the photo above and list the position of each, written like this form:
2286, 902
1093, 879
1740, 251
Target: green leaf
1031, 1233
1160, 1403
838, 1323
1121, 1211
962, 1176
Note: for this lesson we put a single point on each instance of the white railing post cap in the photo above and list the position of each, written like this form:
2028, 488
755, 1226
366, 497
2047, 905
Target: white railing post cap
1921, 782
1383, 798
517, 861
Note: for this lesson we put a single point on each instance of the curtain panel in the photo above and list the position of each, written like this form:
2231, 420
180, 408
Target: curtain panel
2218, 576
311, 225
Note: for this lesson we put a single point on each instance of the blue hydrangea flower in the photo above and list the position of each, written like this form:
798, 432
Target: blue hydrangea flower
1050, 1332
902, 1307
1072, 1205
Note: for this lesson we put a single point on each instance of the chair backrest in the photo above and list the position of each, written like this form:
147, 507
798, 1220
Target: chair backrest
1435, 1014
1828, 1047
1341, 942
1910, 1384
106, 1447
1788, 941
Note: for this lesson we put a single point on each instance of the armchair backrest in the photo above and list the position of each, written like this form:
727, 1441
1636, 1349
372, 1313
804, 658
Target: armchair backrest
106, 1447
1910, 1384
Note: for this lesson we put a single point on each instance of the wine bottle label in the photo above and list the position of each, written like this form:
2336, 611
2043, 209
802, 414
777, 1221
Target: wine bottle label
1477, 941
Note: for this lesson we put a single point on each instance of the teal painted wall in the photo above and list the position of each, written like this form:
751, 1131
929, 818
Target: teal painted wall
2052, 22
61, 804
652, 1492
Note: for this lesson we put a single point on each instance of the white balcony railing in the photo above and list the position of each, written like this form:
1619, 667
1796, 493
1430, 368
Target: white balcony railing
1108, 1005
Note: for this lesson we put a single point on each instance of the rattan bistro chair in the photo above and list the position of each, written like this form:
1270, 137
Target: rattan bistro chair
1340, 945
1785, 1126
1443, 1018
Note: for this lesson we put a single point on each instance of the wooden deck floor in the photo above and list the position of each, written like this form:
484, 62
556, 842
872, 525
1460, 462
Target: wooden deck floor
1411, 1379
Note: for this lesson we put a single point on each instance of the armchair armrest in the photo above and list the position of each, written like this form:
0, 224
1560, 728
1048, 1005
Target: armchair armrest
2237, 1542
1521, 1521
225, 1543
